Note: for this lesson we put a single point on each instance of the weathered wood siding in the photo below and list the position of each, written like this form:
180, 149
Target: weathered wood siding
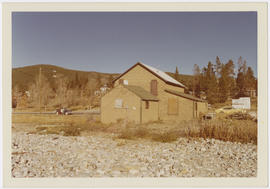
130, 110
150, 114
141, 77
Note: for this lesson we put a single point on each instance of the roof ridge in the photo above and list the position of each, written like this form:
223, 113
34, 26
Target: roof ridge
158, 73
162, 74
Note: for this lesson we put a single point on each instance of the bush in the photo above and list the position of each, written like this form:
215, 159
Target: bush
244, 131
165, 137
132, 133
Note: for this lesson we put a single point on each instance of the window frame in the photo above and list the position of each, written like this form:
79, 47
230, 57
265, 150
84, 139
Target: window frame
118, 105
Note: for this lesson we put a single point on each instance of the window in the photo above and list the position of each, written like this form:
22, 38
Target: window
125, 82
153, 87
146, 104
118, 103
172, 106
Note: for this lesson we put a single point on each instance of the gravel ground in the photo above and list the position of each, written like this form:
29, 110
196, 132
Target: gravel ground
36, 155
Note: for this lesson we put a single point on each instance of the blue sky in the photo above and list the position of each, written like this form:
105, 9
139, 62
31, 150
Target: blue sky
111, 42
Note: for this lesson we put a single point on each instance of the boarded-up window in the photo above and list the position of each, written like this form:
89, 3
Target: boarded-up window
121, 81
146, 104
153, 87
172, 106
118, 103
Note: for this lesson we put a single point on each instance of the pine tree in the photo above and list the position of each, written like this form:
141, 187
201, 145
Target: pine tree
218, 67
241, 77
226, 81
98, 82
176, 74
110, 81
211, 84
250, 79
196, 80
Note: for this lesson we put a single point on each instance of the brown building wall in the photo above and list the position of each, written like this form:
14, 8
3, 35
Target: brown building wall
130, 110
141, 77
150, 114
185, 108
202, 107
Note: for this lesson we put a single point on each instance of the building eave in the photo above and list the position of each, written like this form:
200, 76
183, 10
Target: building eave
138, 63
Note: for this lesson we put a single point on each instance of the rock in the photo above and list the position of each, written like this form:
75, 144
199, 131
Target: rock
37, 155
133, 171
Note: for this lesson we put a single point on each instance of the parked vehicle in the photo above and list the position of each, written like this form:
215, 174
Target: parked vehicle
229, 110
63, 111
209, 116
242, 116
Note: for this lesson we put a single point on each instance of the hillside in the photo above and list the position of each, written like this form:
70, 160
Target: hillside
185, 79
23, 77
57, 86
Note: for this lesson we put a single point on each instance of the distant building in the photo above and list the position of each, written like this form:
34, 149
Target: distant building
102, 90
251, 93
27, 93
241, 103
97, 93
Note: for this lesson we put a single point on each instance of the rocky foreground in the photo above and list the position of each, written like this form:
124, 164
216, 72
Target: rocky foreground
36, 155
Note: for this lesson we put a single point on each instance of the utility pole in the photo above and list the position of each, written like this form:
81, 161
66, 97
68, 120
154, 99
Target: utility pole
39, 89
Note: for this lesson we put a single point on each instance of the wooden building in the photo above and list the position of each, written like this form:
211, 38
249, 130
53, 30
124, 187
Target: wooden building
143, 94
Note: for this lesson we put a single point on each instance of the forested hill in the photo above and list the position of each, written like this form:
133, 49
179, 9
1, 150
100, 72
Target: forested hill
23, 77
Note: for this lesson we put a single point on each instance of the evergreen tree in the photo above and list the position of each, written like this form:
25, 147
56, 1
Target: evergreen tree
250, 79
98, 82
211, 84
218, 67
110, 81
226, 81
241, 77
196, 81
176, 74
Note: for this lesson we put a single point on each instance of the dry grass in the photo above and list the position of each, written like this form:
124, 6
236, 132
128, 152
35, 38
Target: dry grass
60, 130
50, 119
244, 131
133, 133
169, 136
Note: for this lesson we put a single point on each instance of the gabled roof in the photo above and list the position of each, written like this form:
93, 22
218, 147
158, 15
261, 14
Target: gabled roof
140, 92
160, 74
184, 95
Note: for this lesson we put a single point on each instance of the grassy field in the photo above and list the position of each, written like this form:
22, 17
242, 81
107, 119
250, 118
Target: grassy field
244, 131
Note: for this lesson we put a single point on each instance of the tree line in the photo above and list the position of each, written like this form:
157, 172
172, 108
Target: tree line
61, 92
220, 81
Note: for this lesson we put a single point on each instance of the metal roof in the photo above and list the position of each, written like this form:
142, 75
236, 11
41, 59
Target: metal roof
160, 74
163, 75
